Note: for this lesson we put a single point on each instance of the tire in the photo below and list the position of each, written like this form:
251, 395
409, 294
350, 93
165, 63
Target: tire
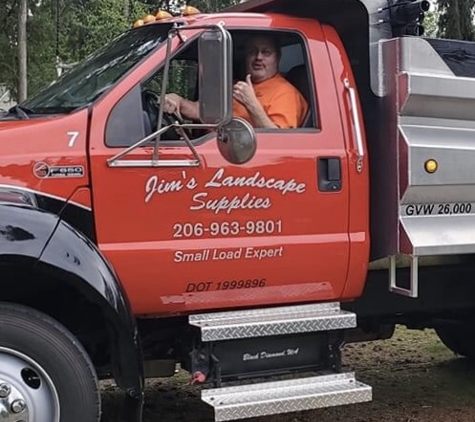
44, 369
458, 338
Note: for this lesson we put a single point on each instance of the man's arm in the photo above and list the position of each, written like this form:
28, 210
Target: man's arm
175, 103
259, 116
245, 94
285, 112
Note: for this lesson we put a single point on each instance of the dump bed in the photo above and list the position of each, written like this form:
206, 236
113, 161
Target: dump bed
429, 146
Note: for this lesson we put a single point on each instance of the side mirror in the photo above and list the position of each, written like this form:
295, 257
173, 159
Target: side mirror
237, 141
215, 77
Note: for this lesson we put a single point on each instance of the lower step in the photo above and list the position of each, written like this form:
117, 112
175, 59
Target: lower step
271, 398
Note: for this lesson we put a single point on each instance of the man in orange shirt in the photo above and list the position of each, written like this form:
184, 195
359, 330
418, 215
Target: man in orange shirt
265, 99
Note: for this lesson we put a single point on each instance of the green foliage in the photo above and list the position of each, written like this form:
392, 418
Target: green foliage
88, 24
212, 5
430, 24
174, 6
8, 53
71, 30
456, 19
41, 46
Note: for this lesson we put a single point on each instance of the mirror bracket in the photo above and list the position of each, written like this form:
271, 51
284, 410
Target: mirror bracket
116, 161
236, 138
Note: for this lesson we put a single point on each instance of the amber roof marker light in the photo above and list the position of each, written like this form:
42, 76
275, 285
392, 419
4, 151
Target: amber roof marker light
163, 14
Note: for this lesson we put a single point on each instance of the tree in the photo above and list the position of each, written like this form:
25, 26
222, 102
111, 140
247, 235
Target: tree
456, 19
22, 50
68, 29
8, 42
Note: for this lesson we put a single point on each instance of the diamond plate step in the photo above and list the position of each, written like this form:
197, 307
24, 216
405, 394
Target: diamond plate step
245, 401
272, 321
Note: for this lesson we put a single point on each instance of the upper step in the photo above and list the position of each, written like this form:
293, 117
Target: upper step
245, 401
272, 321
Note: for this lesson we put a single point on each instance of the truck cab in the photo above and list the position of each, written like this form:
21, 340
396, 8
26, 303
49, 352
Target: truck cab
191, 231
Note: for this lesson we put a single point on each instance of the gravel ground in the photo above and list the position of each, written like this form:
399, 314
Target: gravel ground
414, 379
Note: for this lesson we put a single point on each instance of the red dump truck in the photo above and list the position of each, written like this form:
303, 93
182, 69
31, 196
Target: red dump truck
133, 242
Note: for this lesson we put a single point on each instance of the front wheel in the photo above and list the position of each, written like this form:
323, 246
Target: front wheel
45, 374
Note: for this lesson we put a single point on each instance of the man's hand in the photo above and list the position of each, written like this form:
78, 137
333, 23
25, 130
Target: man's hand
175, 104
244, 93
172, 103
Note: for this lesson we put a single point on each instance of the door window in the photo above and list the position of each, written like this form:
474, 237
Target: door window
293, 65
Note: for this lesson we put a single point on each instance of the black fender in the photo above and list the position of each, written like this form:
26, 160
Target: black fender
51, 245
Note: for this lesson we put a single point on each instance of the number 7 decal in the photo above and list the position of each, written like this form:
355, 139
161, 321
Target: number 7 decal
73, 137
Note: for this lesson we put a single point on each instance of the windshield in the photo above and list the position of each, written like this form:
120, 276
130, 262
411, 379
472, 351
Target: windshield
90, 78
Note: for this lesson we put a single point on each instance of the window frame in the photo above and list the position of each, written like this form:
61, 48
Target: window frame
242, 31
313, 103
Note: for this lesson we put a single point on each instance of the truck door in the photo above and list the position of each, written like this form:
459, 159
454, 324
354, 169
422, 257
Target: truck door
185, 237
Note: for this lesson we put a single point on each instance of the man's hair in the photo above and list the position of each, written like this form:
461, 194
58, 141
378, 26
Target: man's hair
269, 36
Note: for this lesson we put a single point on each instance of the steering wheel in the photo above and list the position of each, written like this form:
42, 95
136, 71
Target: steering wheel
151, 105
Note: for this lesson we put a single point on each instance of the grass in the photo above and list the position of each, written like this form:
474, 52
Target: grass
415, 378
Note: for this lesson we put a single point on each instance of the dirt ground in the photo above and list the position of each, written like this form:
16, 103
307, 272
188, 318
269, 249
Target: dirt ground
414, 379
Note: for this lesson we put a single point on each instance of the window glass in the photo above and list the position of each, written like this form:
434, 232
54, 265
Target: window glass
183, 79
293, 66
100, 71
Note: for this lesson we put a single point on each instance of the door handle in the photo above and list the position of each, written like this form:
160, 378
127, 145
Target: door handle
329, 174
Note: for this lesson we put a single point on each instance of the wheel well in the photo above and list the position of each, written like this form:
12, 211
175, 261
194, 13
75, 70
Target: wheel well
49, 294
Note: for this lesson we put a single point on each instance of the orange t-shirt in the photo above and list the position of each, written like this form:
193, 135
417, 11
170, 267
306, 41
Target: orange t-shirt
282, 102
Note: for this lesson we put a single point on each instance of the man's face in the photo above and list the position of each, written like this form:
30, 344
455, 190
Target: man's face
261, 59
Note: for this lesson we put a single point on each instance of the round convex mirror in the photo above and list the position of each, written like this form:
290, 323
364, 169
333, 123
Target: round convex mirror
237, 141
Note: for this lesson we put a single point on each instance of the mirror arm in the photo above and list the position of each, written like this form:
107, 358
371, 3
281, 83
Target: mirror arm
176, 29
180, 129
118, 156
162, 94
